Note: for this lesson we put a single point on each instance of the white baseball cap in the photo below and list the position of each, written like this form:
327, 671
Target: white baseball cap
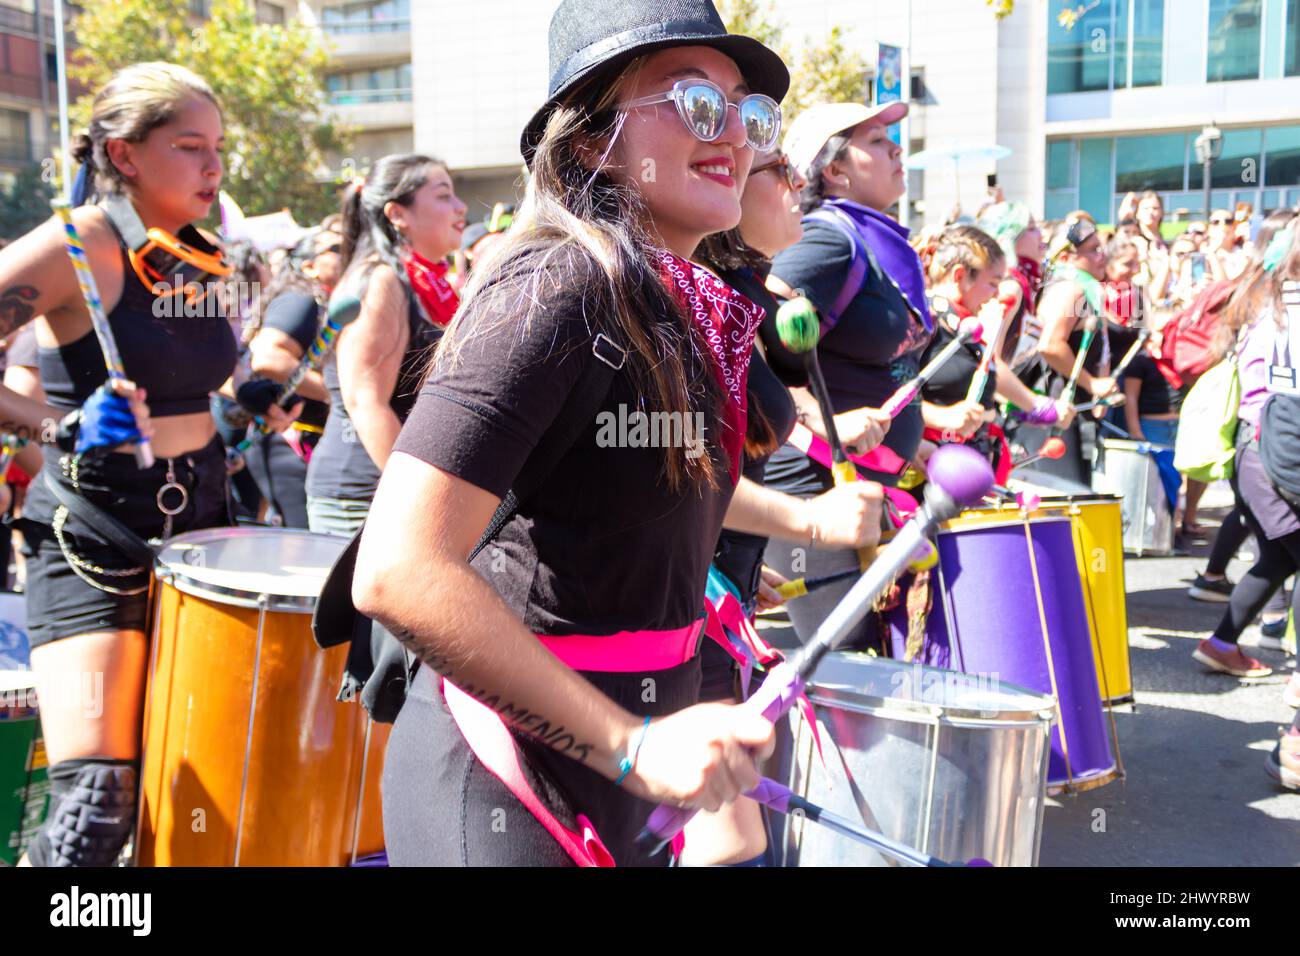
817, 124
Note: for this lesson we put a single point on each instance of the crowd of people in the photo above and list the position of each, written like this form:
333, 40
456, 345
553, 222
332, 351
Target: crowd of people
463, 395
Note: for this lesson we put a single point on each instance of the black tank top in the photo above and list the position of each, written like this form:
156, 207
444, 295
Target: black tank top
340, 466
178, 359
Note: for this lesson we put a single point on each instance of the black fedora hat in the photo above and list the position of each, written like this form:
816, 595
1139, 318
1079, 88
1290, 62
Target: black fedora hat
591, 38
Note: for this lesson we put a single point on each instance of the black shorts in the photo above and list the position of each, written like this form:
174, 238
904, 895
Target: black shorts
62, 604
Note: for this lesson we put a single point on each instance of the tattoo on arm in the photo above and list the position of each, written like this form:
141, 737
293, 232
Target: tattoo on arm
555, 736
16, 308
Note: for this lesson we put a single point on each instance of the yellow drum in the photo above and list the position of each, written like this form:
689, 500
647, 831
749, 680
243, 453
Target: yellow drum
1098, 529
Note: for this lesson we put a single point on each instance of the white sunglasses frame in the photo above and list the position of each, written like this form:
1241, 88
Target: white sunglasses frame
677, 95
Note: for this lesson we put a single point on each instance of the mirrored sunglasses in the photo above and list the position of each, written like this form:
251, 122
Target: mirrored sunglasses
703, 107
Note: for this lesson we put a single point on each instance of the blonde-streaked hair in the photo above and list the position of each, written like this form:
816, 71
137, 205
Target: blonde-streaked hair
962, 246
136, 101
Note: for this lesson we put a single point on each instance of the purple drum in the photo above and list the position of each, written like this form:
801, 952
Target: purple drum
995, 598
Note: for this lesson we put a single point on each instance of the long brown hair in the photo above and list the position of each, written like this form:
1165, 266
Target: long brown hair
574, 219
1259, 290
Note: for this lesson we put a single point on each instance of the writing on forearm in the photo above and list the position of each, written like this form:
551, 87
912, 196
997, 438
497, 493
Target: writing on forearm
555, 736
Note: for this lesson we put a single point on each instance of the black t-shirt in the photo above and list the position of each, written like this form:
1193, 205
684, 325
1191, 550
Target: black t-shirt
740, 555
874, 348
603, 545
1156, 396
297, 315
340, 466
952, 381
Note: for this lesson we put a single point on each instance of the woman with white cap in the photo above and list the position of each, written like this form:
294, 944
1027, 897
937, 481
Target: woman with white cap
855, 265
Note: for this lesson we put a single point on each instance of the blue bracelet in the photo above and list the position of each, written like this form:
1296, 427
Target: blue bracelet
626, 764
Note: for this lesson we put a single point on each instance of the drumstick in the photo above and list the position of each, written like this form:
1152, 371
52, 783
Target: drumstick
1107, 402
90, 294
343, 309
801, 586
958, 476
1089, 332
799, 330
1052, 449
1131, 354
909, 390
980, 379
783, 800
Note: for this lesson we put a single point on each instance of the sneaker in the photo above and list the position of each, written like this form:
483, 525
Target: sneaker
1234, 662
1283, 764
1291, 694
1217, 592
1272, 634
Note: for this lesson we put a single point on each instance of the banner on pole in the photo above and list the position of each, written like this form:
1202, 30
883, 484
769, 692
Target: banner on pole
889, 81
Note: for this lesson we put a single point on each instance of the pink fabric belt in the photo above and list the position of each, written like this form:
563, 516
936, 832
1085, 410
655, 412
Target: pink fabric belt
627, 651
880, 459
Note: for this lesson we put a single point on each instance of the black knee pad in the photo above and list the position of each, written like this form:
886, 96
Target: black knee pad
92, 812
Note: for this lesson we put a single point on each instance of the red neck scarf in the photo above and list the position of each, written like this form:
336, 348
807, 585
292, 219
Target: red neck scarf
429, 280
1028, 273
726, 321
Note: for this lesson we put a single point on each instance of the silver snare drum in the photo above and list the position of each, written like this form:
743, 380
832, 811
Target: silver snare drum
952, 764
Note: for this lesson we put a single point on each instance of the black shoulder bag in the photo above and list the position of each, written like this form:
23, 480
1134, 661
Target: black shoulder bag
379, 667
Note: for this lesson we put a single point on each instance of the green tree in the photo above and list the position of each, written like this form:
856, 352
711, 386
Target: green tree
269, 78
822, 70
26, 203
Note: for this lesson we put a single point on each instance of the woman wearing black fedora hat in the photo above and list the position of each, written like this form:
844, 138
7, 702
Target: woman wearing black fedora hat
587, 322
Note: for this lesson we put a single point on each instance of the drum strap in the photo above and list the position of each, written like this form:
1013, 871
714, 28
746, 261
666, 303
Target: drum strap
114, 531
492, 744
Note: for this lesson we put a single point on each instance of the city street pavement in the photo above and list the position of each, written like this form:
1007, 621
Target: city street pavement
1193, 745
1196, 793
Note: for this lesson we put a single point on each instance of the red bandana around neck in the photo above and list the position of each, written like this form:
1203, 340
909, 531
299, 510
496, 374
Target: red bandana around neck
429, 280
727, 322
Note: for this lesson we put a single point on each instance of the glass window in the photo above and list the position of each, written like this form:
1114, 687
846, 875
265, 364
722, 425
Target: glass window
1292, 43
1096, 186
1059, 204
1060, 164
1079, 57
1268, 201
1282, 156
1238, 164
1148, 54
1150, 162
1234, 34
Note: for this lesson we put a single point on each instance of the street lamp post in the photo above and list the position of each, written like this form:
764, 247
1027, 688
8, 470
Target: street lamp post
1209, 147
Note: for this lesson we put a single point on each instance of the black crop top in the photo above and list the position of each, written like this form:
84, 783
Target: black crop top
340, 466
177, 358
951, 383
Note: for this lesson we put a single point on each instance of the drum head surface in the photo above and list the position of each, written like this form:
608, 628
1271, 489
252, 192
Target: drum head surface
245, 563
862, 681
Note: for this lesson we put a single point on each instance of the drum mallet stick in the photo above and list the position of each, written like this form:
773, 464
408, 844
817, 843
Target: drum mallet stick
1052, 449
958, 476
103, 331
1089, 333
1110, 401
980, 379
801, 586
781, 799
1132, 352
798, 328
968, 330
343, 309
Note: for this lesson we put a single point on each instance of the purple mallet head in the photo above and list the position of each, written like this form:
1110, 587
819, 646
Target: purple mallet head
962, 472
978, 861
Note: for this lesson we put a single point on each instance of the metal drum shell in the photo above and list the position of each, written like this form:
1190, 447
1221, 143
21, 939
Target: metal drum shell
986, 595
1127, 471
248, 758
1099, 552
941, 763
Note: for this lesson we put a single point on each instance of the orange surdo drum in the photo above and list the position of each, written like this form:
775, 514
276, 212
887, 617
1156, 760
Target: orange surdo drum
248, 758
